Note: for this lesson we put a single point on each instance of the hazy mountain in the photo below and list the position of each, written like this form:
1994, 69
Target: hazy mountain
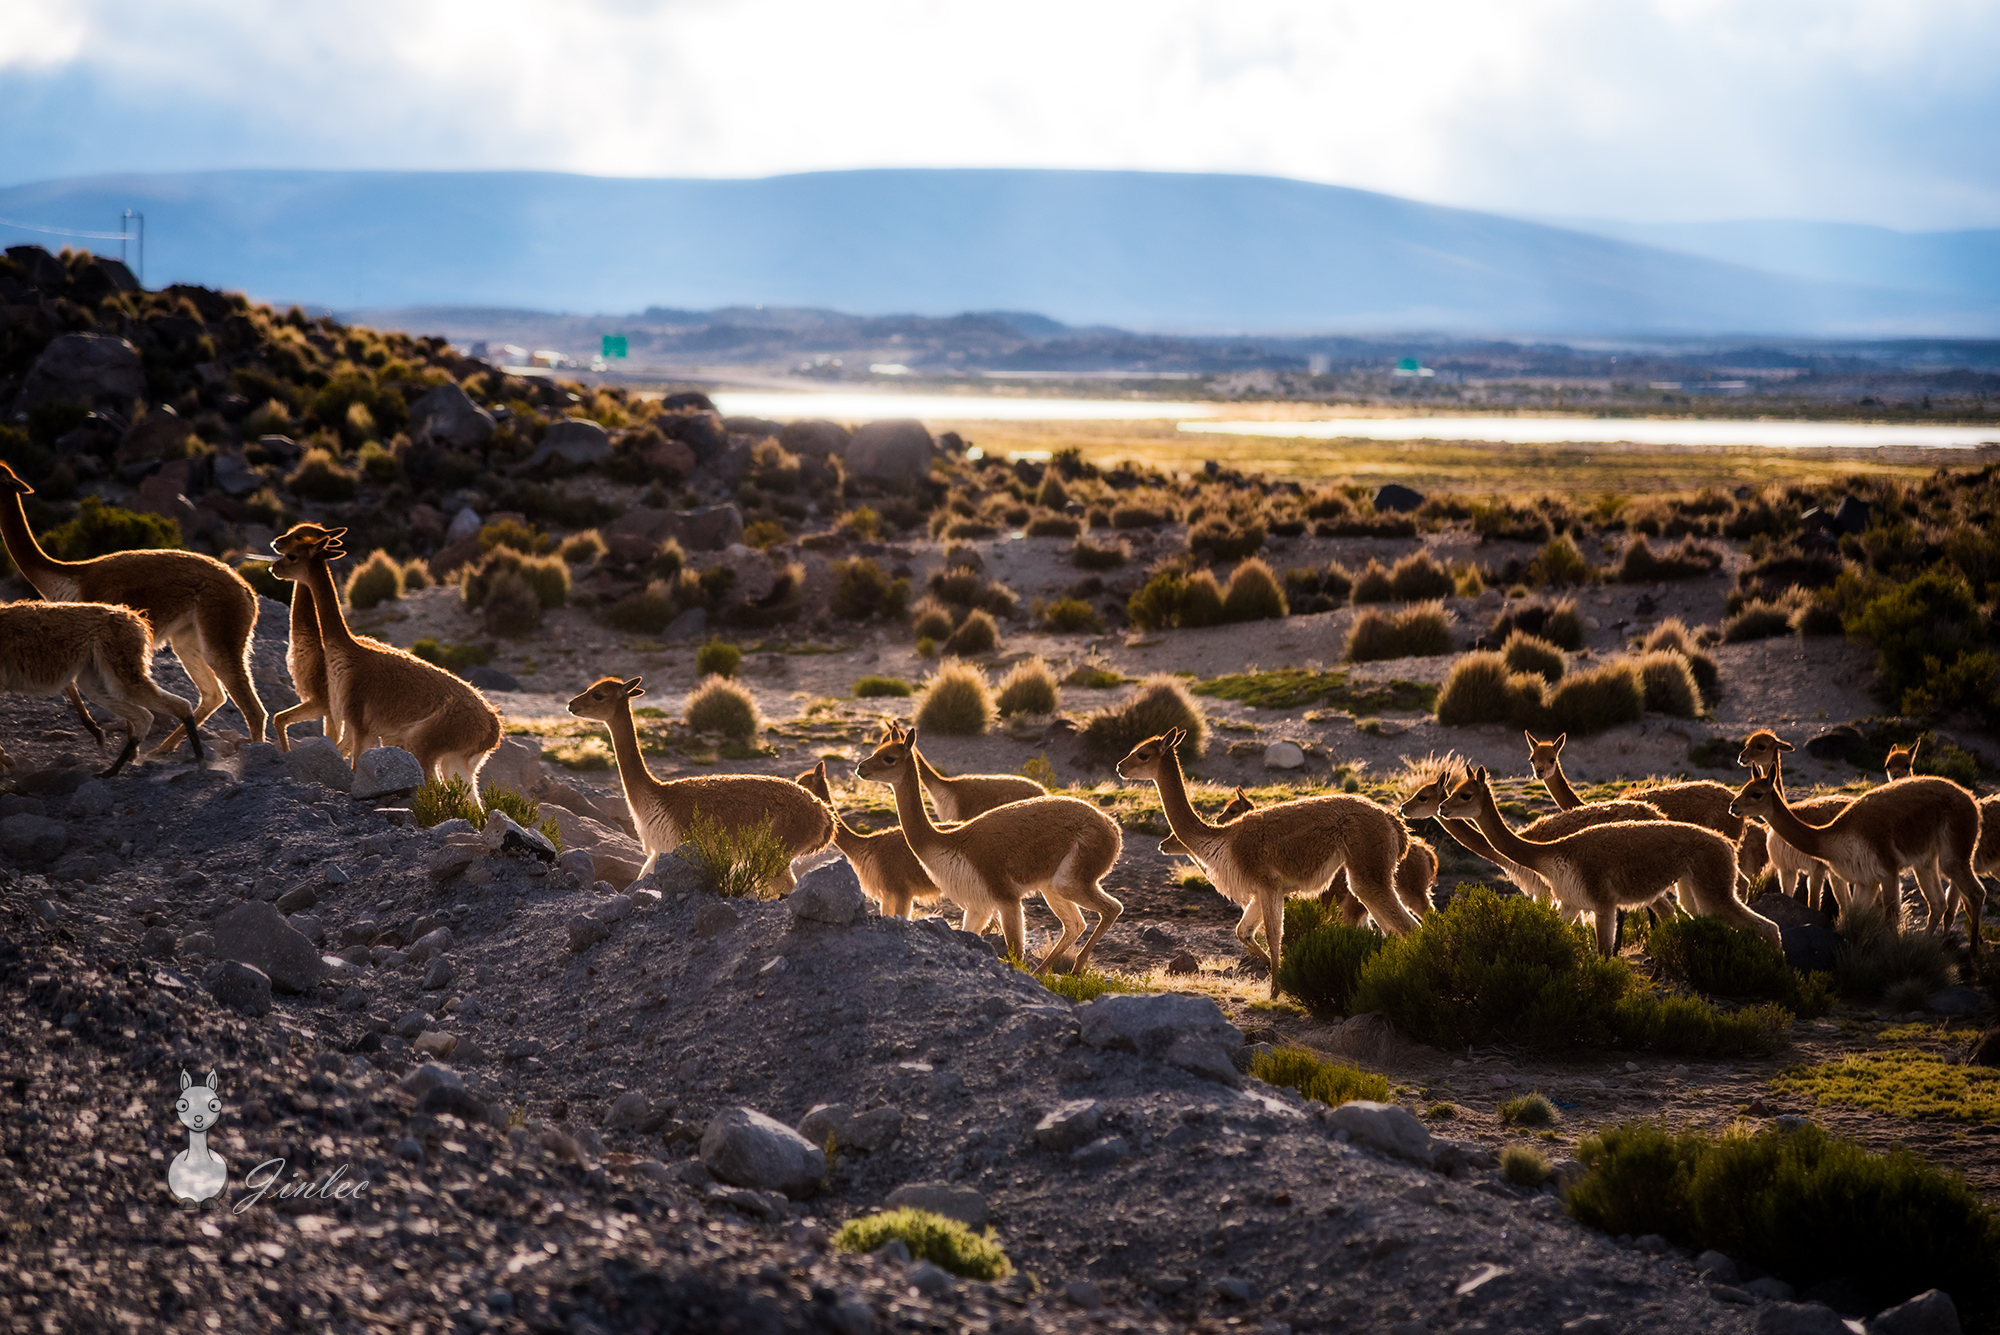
1136, 250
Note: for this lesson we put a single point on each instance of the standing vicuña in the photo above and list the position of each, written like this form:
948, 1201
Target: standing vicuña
1761, 752
1701, 802
193, 602
305, 658
1263, 857
666, 811
1059, 846
377, 691
1604, 868
882, 861
107, 652
969, 795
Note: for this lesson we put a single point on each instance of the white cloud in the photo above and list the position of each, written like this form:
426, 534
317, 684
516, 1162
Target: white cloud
1669, 109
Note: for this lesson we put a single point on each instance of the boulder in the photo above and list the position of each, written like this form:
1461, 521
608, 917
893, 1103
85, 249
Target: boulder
1811, 947
745, 1148
949, 1199
490, 678
502, 835
465, 524
578, 863
550, 791
79, 368
586, 932
234, 475
1070, 1125
25, 837
1782, 1318
517, 764
891, 450
448, 416
700, 430
39, 268
257, 934
709, 528
1284, 755
239, 986
815, 438
384, 770
672, 457
1388, 1127
642, 522
577, 440
318, 760
1931, 1312
91, 798
627, 1111
1395, 498
830, 894
1836, 743
428, 1077
1186, 1031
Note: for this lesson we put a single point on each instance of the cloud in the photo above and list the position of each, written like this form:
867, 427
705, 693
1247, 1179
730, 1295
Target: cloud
1675, 109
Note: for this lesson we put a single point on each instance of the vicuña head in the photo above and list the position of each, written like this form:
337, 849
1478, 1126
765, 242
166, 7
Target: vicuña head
1434, 777
606, 696
1757, 797
890, 756
1463, 801
1901, 762
200, 1106
13, 482
1544, 756
309, 535
1762, 751
1152, 757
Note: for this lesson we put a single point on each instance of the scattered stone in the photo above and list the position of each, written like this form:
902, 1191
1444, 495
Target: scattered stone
576, 439
159, 943
1931, 1312
714, 919
239, 986
1388, 1127
318, 760
92, 798
257, 934
297, 900
1783, 1318
627, 1111
447, 415
438, 976
830, 894
30, 838
949, 1199
1185, 1031
930, 1280
890, 450
1713, 1265
1959, 1000
1184, 963
502, 835
1084, 1294
1102, 1152
577, 862
1770, 1289
747, 1149
1233, 1290
586, 932
435, 1043
1070, 1126
385, 771
1395, 498
1284, 755
427, 1077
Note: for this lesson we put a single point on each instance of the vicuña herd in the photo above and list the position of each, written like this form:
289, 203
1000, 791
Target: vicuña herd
999, 839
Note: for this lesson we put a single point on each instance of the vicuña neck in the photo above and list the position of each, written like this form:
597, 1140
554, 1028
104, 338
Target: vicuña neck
326, 605
1785, 823
1469, 838
1501, 835
1194, 832
1559, 789
27, 554
633, 775
916, 822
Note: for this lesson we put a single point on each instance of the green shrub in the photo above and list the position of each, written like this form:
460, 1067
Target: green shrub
764, 534
645, 612
1557, 622
1422, 630
1070, 616
452, 657
1088, 555
1673, 634
1641, 565
100, 529
1758, 620
1695, 1027
546, 576
1162, 703
931, 619
510, 607
1879, 956
1598, 698
1481, 688
1524, 1166
1531, 653
975, 635
741, 862
1030, 688
374, 582
1711, 957
1173, 599
862, 591
877, 688
1669, 684
582, 548
1528, 1110
1372, 585
1320, 966
1094, 677
943, 1242
719, 705
515, 536
1920, 630
1804, 1206
1253, 594
450, 798
1316, 1078
1419, 577
319, 477
718, 658
1559, 565
257, 574
523, 810
957, 701
1081, 987
1224, 541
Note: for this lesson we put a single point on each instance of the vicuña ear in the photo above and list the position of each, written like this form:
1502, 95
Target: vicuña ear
1479, 775
1559, 743
1530, 736
186, 1080
633, 688
1784, 745
910, 738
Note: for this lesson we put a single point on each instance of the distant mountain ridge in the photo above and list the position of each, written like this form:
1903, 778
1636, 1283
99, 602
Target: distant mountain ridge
1135, 250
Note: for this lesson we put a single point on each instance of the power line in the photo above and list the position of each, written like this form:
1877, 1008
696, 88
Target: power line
65, 231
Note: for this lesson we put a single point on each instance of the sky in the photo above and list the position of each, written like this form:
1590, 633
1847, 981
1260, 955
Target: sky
1645, 111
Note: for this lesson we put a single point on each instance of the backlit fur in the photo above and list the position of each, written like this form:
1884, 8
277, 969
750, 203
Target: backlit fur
888, 871
105, 651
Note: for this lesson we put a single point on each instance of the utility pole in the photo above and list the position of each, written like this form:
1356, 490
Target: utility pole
124, 231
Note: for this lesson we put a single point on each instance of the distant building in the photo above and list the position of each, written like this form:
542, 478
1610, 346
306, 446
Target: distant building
1410, 366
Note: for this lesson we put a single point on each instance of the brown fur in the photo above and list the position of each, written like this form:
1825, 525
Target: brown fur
305, 657
196, 604
882, 861
1623, 864
106, 651
377, 692
968, 795
664, 810
1265, 856
1060, 846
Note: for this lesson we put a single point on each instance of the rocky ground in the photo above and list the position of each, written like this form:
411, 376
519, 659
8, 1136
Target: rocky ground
535, 1075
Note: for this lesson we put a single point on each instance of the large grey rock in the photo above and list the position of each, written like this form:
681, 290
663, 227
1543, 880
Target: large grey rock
517, 764
586, 932
318, 760
91, 798
257, 934
1799, 1319
78, 368
576, 439
234, 475
949, 1199
502, 835
1070, 1125
383, 770
1931, 1312
709, 528
745, 1148
891, 450
39, 268
428, 1077
1387, 1127
578, 863
239, 986
1395, 498
1185, 1031
616, 856
830, 894
1284, 755
465, 524
25, 837
814, 438
448, 416
490, 678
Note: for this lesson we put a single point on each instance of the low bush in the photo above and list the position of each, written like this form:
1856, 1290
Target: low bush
582, 548
718, 658
450, 798
1094, 676
1029, 688
100, 529
1557, 622
547, 576
319, 477
878, 688
375, 581
1693, 1026
931, 619
1880, 957
741, 862
1642, 565
1530, 653
1172, 599
452, 657
1669, 684
1222, 540
1070, 616
964, 587
645, 612
1559, 565
1053, 526
1422, 630
1598, 698
977, 634
1419, 577
1088, 555
523, 538
1320, 965
1372, 585
1673, 634
764, 534
861, 591
1481, 688
510, 606
943, 1242
957, 701
1806, 1207
1317, 1078
1137, 516
1528, 1110
1161, 703
1709, 956
416, 575
719, 705
1253, 593
1524, 1166
1758, 620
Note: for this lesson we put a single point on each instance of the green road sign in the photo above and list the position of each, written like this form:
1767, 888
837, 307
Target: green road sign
614, 345
1406, 364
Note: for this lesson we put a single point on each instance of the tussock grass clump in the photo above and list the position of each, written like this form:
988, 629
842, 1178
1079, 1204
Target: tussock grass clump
510, 606
719, 705
1053, 526
744, 862
1094, 676
1880, 956
1373, 585
449, 798
931, 619
1642, 565
1173, 599
547, 576
523, 538
1226, 541
319, 477
943, 1242
1322, 964
718, 658
452, 657
1162, 703
645, 612
1482, 688
1137, 516
1070, 616
1818, 615
1419, 577
878, 688
375, 581
1557, 622
1758, 620
1674, 634
1524, 1166
964, 587
862, 591
1711, 957
1532, 1109
1802, 1205
1419, 631
1029, 688
1560, 565
957, 701
1088, 555
1315, 1077
582, 548
1669, 684
1254, 593
1598, 698
1531, 653
416, 575
977, 634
